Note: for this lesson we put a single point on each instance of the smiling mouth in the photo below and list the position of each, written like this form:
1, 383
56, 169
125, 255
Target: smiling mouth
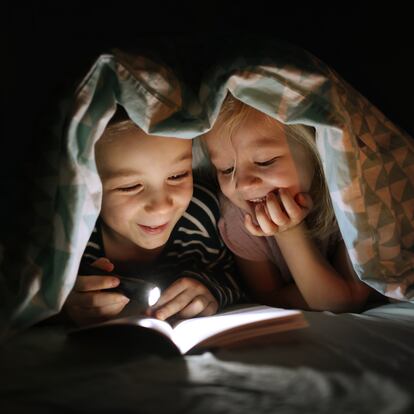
262, 200
253, 203
153, 229
257, 200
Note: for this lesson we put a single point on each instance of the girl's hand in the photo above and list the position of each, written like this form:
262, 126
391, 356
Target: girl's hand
279, 214
88, 302
185, 298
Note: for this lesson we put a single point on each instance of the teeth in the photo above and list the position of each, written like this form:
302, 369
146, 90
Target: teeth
258, 200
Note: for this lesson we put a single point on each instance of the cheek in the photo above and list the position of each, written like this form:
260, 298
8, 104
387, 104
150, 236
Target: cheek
307, 177
285, 175
117, 209
300, 177
227, 187
183, 195
304, 166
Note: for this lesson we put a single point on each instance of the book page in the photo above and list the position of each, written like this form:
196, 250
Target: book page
243, 322
142, 321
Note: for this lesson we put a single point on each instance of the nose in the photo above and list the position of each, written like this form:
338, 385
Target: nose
246, 181
159, 202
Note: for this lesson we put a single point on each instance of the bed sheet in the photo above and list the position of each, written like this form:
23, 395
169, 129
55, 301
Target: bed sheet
341, 363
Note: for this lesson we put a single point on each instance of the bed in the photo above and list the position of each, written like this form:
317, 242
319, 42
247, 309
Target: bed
341, 363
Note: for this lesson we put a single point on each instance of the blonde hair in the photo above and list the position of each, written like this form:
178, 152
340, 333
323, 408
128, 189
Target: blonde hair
119, 122
321, 220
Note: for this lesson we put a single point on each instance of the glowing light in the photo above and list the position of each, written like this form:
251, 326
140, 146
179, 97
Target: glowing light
153, 296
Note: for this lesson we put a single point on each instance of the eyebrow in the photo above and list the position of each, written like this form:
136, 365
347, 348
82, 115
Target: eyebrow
129, 172
124, 172
184, 157
268, 141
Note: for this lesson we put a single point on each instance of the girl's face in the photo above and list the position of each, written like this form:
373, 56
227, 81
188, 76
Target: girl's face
257, 160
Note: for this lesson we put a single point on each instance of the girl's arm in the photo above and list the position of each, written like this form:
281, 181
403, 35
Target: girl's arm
333, 287
324, 286
265, 285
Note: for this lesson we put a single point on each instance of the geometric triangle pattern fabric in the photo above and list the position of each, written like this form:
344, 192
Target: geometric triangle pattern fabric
368, 164
67, 188
355, 138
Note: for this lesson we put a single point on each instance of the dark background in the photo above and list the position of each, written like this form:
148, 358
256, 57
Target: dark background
49, 45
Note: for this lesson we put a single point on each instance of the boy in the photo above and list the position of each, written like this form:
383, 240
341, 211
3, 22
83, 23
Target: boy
151, 221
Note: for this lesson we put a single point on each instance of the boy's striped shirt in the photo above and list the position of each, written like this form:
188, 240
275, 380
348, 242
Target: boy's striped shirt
194, 250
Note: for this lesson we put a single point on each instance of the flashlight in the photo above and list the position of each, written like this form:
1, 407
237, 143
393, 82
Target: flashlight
139, 290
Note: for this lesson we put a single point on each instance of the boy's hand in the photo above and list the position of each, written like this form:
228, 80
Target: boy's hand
279, 214
185, 298
88, 302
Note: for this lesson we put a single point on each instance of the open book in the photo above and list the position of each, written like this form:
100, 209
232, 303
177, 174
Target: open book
229, 328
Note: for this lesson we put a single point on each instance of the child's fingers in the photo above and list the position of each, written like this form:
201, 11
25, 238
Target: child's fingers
210, 309
275, 210
96, 299
91, 315
90, 283
171, 292
104, 311
196, 306
266, 224
251, 227
183, 292
103, 263
177, 304
293, 209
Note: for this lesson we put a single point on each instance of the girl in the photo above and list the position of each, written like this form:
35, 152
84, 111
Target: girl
277, 216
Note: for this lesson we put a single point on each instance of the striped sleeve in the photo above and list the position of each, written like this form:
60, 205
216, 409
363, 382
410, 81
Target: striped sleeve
94, 248
202, 253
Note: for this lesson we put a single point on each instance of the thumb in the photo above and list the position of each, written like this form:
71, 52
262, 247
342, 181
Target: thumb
103, 263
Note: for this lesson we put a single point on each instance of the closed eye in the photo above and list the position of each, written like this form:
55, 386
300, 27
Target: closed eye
129, 189
266, 163
178, 177
227, 171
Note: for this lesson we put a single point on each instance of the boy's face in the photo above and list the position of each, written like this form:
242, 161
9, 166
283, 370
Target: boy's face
147, 186
258, 160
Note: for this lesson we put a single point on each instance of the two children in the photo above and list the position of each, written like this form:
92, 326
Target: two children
152, 220
277, 217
